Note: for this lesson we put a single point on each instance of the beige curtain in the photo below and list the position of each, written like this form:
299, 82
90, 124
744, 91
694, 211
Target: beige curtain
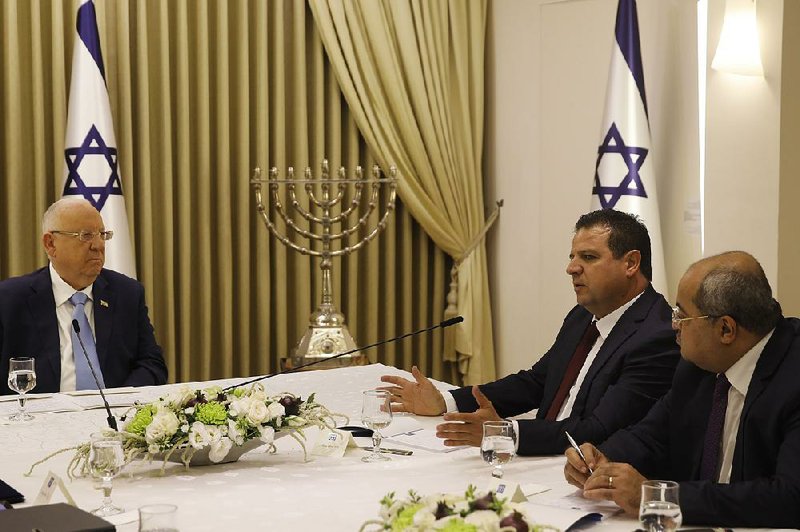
202, 91
412, 74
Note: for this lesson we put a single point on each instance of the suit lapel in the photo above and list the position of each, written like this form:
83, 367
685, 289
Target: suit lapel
103, 316
42, 306
627, 324
767, 364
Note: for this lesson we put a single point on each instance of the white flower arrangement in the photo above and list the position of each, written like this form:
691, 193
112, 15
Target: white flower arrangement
187, 421
470, 512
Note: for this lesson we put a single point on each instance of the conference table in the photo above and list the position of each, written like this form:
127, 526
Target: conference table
286, 490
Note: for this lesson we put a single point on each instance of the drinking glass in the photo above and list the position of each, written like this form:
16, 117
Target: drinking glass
376, 413
499, 445
21, 379
106, 458
157, 518
660, 510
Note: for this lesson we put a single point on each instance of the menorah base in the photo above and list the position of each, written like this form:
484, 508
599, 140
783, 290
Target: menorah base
320, 345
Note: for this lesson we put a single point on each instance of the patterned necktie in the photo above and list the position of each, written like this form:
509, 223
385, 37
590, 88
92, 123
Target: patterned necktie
716, 423
83, 373
574, 367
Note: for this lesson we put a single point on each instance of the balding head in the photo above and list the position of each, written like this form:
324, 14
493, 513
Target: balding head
734, 284
51, 221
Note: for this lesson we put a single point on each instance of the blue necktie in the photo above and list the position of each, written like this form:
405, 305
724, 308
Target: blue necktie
83, 374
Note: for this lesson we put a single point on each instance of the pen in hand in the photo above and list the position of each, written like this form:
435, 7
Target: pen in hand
578, 449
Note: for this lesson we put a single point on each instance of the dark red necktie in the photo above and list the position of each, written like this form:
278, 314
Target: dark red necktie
716, 424
574, 367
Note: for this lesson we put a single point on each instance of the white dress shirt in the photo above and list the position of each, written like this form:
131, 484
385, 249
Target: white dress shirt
739, 375
604, 327
62, 291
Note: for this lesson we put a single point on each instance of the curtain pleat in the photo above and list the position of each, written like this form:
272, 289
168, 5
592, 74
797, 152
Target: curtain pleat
203, 91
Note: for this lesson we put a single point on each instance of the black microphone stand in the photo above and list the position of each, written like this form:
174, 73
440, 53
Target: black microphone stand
111, 420
441, 325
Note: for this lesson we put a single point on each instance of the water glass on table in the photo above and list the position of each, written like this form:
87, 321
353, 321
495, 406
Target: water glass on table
499, 444
660, 507
157, 518
21, 379
376, 413
106, 458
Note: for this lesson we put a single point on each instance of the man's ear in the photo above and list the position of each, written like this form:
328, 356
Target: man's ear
48, 241
728, 330
633, 262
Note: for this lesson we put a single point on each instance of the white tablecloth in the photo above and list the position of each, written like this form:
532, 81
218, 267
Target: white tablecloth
265, 491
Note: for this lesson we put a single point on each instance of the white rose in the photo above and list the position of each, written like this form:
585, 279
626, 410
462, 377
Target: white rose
214, 433
165, 423
234, 433
257, 413
424, 518
198, 435
276, 410
267, 434
219, 449
239, 407
484, 520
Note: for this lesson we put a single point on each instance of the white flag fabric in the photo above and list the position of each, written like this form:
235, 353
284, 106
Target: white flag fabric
90, 148
624, 179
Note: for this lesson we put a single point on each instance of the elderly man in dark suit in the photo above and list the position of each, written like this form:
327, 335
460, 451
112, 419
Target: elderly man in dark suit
612, 359
729, 429
37, 311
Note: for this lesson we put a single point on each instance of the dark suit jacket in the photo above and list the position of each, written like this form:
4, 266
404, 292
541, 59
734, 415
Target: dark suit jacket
632, 370
126, 344
764, 489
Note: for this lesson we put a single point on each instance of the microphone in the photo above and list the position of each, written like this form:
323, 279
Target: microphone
112, 421
440, 325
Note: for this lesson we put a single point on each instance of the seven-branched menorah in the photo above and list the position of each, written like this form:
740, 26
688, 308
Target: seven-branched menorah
327, 333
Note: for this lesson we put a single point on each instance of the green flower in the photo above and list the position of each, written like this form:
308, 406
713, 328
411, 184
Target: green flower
211, 413
140, 420
458, 525
405, 518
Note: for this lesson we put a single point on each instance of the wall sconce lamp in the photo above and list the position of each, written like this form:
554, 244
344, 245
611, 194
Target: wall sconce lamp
738, 51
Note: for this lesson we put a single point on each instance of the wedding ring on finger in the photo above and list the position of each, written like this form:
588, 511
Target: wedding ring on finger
610, 482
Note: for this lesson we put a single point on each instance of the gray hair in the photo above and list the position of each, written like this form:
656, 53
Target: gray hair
52, 216
746, 296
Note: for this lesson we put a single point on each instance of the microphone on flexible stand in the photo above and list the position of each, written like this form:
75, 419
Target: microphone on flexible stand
112, 421
440, 325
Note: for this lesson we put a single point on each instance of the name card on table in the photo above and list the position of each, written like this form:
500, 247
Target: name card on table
333, 443
510, 490
51, 482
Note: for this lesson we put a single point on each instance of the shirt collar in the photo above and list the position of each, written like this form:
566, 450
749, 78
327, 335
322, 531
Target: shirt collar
62, 291
741, 373
607, 322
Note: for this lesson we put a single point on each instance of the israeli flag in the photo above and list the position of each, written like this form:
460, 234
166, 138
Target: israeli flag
623, 176
90, 152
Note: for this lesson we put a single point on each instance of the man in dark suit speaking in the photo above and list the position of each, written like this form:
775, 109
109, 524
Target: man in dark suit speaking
37, 310
729, 429
612, 359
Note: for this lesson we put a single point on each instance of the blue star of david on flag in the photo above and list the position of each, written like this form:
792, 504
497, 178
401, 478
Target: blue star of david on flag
93, 144
633, 156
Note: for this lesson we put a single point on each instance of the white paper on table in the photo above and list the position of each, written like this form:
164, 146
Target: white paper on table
54, 403
424, 439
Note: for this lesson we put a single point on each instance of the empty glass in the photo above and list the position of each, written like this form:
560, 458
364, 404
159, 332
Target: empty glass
376, 413
660, 509
21, 379
106, 458
499, 445
157, 518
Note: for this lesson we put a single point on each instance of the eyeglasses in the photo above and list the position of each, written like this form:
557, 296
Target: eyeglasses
86, 236
677, 320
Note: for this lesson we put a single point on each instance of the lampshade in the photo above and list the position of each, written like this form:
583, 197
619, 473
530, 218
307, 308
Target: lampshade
738, 51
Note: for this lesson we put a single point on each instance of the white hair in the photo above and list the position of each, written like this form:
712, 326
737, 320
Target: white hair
52, 216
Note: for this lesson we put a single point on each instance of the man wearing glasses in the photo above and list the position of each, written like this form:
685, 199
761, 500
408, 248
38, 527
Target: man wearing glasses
612, 359
729, 429
37, 311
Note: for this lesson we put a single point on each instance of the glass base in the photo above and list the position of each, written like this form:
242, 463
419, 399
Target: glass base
105, 511
20, 417
375, 457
